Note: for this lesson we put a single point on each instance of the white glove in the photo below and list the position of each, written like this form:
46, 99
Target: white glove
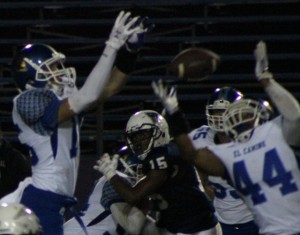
107, 166
168, 100
122, 30
262, 62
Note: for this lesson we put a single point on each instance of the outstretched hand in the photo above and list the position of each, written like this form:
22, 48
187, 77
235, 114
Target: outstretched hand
262, 62
123, 28
167, 97
107, 166
136, 40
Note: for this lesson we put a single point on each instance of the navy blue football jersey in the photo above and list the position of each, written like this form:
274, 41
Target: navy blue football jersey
182, 206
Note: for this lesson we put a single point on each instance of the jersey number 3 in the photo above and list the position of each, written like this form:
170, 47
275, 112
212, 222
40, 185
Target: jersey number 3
274, 174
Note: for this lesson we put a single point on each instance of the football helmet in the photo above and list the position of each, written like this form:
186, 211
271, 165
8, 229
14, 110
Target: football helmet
268, 109
41, 66
16, 219
242, 116
217, 103
130, 165
145, 130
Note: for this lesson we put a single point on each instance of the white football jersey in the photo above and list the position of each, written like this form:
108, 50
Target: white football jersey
107, 224
55, 153
230, 208
15, 196
266, 172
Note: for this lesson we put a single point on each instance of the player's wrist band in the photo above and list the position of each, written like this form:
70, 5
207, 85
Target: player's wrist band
126, 60
177, 123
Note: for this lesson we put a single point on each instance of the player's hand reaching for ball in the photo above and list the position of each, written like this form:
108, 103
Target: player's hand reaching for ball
167, 97
107, 166
261, 62
123, 28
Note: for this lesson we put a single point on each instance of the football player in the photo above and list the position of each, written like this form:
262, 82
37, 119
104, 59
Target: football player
107, 213
47, 114
261, 162
233, 214
172, 184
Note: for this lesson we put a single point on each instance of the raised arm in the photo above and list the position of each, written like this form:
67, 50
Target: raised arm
126, 59
203, 159
97, 80
284, 101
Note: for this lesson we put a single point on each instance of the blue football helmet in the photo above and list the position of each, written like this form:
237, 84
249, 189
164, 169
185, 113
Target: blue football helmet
217, 104
41, 66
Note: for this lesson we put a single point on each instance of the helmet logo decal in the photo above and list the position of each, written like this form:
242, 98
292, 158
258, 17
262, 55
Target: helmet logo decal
23, 66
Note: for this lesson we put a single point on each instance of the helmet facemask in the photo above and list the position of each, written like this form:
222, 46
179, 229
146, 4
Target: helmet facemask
217, 104
132, 169
241, 118
54, 75
141, 141
214, 114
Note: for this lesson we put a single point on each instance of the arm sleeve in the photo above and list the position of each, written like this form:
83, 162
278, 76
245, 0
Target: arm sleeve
289, 108
129, 217
95, 83
109, 196
39, 109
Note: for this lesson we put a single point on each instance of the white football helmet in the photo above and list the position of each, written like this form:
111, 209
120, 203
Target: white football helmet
242, 116
145, 130
16, 219
130, 165
217, 104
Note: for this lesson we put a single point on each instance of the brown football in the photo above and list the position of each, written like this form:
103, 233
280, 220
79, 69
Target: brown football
194, 63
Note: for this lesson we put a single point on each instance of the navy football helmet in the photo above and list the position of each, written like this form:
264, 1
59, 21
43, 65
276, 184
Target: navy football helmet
41, 66
145, 130
217, 104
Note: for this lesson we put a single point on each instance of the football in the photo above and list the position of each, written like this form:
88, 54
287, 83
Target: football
194, 64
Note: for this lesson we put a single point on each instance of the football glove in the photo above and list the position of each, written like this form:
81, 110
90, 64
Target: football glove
136, 40
107, 166
167, 97
262, 62
122, 29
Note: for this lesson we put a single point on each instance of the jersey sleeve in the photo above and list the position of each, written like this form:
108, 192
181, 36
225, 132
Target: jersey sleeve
39, 109
109, 196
